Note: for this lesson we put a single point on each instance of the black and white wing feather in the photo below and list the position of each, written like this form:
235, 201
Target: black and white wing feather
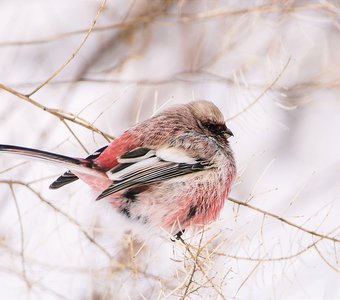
68, 176
143, 166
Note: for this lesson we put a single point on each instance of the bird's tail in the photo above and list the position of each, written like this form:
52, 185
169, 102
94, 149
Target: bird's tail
84, 166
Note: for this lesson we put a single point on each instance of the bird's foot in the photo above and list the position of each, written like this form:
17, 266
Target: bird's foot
178, 235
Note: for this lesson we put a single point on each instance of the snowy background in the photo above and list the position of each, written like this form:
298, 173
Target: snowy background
74, 74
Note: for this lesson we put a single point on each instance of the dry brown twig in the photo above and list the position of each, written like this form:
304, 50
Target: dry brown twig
59, 211
37, 283
60, 114
63, 115
22, 238
325, 260
247, 277
269, 259
197, 263
326, 7
277, 217
55, 74
114, 265
267, 89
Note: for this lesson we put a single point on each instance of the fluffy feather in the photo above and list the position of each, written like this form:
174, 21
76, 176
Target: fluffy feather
173, 170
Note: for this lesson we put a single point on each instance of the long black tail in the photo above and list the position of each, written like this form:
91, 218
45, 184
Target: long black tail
84, 166
68, 176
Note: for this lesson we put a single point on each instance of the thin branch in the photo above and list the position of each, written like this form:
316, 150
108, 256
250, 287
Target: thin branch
75, 136
22, 239
261, 9
248, 276
13, 167
60, 114
35, 283
204, 16
191, 276
199, 76
55, 74
199, 265
69, 218
140, 20
268, 88
270, 259
325, 260
267, 213
73, 269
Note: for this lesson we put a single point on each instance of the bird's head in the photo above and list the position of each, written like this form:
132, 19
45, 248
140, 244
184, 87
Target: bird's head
210, 120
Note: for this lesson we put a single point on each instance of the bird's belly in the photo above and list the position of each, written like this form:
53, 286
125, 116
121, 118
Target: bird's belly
176, 205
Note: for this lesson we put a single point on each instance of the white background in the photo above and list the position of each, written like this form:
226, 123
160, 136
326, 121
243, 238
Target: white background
273, 69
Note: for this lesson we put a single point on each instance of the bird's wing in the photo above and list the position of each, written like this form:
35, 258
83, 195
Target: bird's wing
68, 176
143, 166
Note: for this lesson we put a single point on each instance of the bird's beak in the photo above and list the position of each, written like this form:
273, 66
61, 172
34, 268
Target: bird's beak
227, 133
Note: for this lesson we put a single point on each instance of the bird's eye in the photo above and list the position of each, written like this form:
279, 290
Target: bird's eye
212, 127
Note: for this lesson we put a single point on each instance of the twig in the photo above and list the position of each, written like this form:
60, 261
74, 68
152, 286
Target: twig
60, 114
55, 74
325, 260
271, 259
191, 275
22, 240
74, 135
205, 16
248, 276
69, 218
268, 88
265, 8
35, 283
267, 213
195, 258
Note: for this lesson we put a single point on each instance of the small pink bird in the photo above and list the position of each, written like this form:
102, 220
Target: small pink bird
174, 170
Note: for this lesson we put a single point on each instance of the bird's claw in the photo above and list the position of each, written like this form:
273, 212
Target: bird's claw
178, 235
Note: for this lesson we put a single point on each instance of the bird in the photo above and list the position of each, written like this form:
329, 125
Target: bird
173, 170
